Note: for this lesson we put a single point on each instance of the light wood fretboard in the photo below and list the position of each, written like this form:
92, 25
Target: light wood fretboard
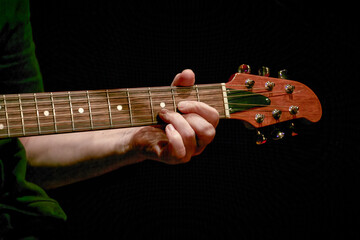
30, 114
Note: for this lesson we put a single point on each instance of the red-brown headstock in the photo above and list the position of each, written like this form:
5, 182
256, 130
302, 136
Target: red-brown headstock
282, 98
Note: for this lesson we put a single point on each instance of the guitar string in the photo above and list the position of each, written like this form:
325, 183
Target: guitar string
153, 90
135, 105
106, 119
67, 130
147, 96
88, 127
76, 128
84, 98
94, 106
126, 113
135, 98
166, 92
111, 91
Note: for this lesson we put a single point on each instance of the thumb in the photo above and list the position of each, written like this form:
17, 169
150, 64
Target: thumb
185, 78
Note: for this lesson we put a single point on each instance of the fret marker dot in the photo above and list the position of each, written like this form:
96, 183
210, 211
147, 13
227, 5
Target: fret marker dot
0, 107
81, 110
46, 113
119, 107
1, 126
162, 104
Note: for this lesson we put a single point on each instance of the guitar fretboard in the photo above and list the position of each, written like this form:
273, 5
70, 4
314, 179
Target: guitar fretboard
30, 114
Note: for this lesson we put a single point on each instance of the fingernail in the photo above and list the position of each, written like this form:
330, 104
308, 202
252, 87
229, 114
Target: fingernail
182, 104
170, 127
163, 111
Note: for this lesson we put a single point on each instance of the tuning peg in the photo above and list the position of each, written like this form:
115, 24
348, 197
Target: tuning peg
244, 68
283, 74
264, 71
260, 138
276, 134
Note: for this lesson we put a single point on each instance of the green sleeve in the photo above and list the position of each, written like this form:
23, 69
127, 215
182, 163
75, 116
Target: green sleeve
19, 69
25, 209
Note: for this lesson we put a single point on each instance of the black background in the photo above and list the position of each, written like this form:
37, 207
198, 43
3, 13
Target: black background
301, 187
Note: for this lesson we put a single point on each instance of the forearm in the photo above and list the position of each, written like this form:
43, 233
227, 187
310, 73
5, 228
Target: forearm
56, 160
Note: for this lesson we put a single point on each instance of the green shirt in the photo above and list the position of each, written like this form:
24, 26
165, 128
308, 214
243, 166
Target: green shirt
25, 208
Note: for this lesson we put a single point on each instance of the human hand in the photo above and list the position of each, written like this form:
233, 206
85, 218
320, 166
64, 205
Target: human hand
185, 135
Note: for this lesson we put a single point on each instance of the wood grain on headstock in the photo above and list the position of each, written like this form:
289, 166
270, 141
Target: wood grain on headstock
303, 97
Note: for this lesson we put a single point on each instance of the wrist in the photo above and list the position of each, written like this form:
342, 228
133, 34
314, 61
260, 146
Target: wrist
124, 144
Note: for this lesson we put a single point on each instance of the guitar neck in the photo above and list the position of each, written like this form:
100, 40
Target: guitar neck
31, 114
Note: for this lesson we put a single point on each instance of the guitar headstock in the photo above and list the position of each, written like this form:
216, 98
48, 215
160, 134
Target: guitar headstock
262, 100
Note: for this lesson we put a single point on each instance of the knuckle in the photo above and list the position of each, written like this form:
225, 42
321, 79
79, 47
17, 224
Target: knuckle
188, 134
173, 114
209, 132
214, 117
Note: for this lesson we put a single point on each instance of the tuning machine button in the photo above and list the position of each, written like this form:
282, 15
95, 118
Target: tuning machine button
264, 71
283, 74
260, 138
269, 85
289, 88
244, 68
293, 110
259, 118
276, 113
249, 83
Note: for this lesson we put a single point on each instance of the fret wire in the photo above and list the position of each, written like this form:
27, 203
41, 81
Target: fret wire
71, 112
21, 114
109, 105
128, 97
173, 98
151, 106
7, 117
197, 93
90, 114
37, 113
53, 110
